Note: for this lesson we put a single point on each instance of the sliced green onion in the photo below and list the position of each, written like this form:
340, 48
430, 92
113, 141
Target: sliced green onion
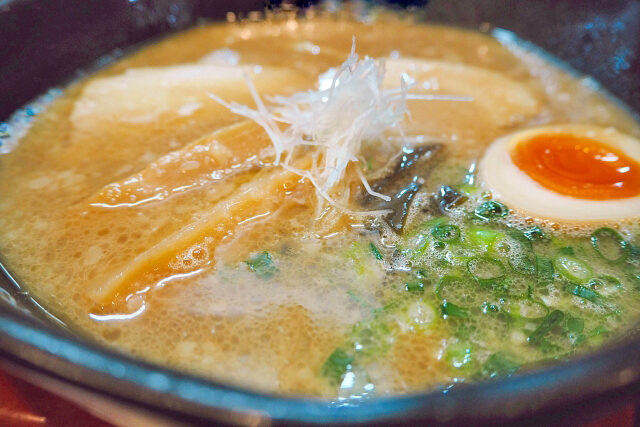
499, 365
586, 293
480, 236
416, 246
421, 273
600, 330
485, 269
417, 315
605, 284
378, 312
572, 268
434, 222
534, 233
414, 286
519, 251
446, 232
610, 245
544, 270
635, 279
459, 355
371, 338
491, 209
357, 253
523, 263
516, 286
610, 281
566, 250
375, 251
262, 265
450, 309
526, 308
575, 325
549, 322
448, 282
468, 188
459, 291
490, 308
520, 237
336, 365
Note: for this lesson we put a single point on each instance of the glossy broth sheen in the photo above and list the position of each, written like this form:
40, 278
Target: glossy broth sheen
297, 305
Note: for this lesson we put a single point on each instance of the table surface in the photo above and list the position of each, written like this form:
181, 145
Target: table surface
25, 405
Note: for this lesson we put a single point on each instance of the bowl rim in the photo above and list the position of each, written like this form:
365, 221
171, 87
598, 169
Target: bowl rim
610, 372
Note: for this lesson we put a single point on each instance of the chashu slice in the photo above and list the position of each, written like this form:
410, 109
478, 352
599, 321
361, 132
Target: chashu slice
232, 149
192, 248
495, 101
143, 95
152, 111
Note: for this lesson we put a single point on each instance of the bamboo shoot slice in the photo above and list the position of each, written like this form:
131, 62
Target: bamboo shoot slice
191, 249
208, 159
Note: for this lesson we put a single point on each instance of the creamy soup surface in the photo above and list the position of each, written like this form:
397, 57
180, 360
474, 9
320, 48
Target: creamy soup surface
153, 219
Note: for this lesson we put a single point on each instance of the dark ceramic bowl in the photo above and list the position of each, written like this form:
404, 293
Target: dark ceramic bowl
43, 43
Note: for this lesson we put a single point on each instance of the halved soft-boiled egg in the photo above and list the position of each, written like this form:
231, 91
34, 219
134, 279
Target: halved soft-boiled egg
566, 172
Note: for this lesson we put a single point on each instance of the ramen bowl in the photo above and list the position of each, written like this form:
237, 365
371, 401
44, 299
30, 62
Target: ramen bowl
44, 47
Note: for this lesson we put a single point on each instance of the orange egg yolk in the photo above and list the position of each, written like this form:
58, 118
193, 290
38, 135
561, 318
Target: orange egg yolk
578, 166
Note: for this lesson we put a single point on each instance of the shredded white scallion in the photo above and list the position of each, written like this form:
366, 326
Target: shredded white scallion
337, 119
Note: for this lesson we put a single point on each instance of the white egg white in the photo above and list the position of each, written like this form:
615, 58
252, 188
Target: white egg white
521, 193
